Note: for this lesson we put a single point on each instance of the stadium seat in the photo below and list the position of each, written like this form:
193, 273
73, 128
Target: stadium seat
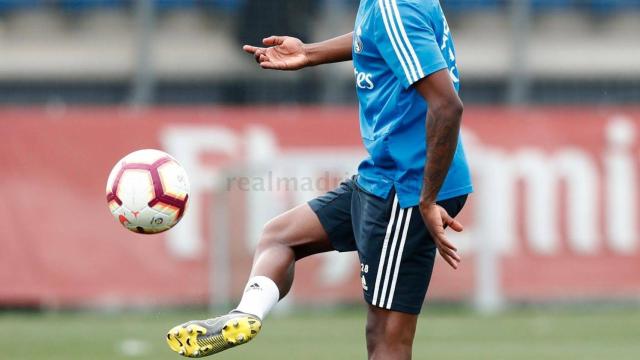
608, 6
10, 5
545, 5
225, 5
174, 4
470, 5
80, 5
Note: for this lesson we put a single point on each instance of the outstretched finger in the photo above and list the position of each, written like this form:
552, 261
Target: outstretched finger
455, 225
444, 241
262, 58
273, 40
447, 220
250, 49
451, 253
271, 66
449, 260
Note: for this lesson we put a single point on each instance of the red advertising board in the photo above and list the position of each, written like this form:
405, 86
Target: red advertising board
556, 201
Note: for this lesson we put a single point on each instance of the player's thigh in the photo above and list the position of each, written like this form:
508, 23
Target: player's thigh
333, 211
299, 229
323, 224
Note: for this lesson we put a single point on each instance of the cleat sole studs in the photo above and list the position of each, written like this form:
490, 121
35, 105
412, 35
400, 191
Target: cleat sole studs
234, 332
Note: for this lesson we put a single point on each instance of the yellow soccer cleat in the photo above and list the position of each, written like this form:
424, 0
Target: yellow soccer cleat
200, 338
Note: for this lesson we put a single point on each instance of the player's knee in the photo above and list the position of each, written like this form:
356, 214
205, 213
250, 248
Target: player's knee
383, 332
271, 233
274, 234
374, 334
387, 345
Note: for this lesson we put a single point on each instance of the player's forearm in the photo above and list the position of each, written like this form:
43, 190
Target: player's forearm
330, 51
443, 127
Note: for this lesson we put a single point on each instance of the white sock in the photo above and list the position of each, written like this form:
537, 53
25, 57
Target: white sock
260, 295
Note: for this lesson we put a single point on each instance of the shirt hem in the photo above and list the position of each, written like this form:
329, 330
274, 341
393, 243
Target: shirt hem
407, 203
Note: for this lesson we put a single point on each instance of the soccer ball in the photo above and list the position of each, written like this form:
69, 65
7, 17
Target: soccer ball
147, 191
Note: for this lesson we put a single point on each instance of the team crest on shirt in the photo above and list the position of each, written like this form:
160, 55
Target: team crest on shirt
357, 41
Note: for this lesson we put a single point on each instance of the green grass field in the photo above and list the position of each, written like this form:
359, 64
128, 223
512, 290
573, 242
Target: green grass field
442, 334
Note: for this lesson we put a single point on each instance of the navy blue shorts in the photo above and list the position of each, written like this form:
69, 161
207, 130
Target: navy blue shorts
395, 248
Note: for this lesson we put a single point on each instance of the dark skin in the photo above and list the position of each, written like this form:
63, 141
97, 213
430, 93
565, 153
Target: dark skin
443, 126
298, 232
288, 53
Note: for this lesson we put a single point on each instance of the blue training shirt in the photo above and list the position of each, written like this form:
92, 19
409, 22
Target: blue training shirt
395, 44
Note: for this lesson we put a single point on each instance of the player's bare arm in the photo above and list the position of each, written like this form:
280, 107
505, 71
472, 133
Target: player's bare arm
443, 126
289, 53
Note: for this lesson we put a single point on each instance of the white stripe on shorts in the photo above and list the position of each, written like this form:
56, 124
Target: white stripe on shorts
399, 261
390, 260
383, 252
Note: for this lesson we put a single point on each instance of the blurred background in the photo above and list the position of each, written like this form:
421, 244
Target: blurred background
551, 248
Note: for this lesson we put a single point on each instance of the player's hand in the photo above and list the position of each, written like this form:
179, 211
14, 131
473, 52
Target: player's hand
281, 53
436, 219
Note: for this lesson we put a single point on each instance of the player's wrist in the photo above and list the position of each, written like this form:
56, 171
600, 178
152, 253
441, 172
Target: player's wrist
426, 204
311, 54
426, 201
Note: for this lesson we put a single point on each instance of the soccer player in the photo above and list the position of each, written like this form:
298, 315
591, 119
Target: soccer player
395, 210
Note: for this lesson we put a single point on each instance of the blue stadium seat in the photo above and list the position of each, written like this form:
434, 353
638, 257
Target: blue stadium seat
470, 5
79, 5
597, 6
228, 5
9, 5
174, 4
607, 6
160, 4
544, 5
551, 4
